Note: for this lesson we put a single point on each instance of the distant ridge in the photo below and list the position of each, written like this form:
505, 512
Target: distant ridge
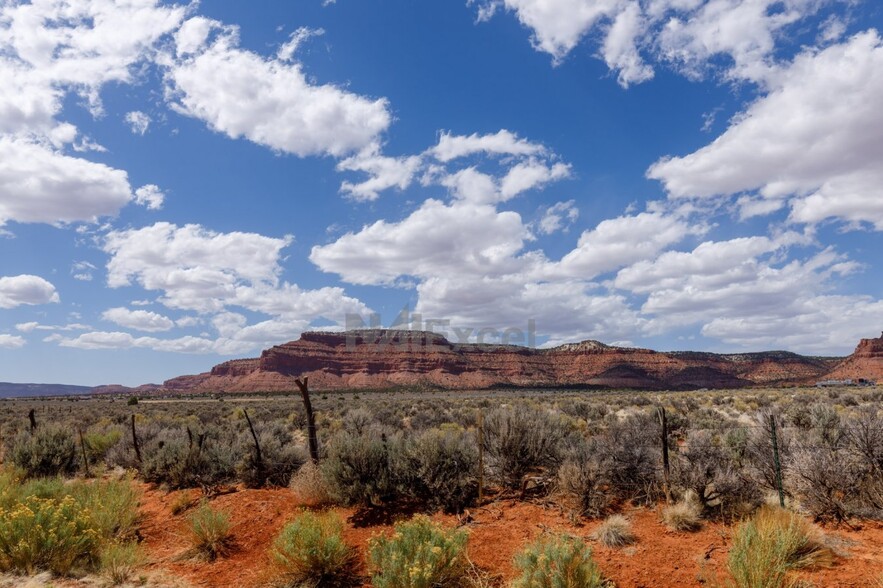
13, 390
382, 358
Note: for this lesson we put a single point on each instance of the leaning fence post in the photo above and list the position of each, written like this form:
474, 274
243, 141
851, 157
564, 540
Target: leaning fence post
312, 439
85, 457
257, 446
33, 419
135, 441
666, 468
776, 461
480, 456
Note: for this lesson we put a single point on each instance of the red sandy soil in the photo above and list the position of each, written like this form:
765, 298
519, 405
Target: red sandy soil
660, 558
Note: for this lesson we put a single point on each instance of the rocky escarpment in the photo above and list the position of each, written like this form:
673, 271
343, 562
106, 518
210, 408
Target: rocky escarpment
865, 363
392, 358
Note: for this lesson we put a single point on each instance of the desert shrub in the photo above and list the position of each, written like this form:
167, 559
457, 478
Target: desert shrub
112, 506
176, 462
46, 534
586, 410
521, 439
684, 515
825, 425
98, 443
309, 486
210, 532
631, 447
800, 416
122, 454
357, 468
767, 547
48, 451
419, 554
734, 442
557, 561
430, 416
583, 479
280, 458
14, 489
707, 470
358, 420
310, 551
865, 440
615, 531
759, 450
118, 561
439, 468
827, 481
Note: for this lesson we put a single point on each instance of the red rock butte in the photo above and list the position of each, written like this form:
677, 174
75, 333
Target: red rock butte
384, 358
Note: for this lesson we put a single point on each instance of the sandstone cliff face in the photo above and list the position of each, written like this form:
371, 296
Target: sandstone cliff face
388, 358
866, 362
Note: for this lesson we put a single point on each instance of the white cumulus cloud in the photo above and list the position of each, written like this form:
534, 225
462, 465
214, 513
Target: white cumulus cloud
11, 341
812, 142
138, 121
39, 184
139, 320
26, 289
688, 35
267, 100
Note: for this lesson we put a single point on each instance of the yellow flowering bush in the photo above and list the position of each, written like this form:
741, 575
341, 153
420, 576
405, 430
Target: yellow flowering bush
54, 534
419, 554
311, 551
557, 562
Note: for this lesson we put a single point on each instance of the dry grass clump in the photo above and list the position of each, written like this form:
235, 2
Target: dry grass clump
770, 545
210, 532
119, 561
309, 486
615, 531
684, 515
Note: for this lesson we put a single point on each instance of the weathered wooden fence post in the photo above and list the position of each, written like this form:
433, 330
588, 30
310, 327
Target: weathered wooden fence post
480, 456
257, 448
776, 461
666, 467
85, 456
33, 419
135, 441
312, 439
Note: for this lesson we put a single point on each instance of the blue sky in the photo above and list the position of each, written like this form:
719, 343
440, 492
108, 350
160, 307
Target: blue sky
185, 183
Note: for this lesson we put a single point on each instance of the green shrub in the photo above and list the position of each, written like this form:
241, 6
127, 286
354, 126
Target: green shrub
46, 534
13, 489
310, 551
419, 554
176, 463
132, 401
99, 443
557, 562
440, 468
112, 506
48, 451
767, 547
281, 457
118, 561
520, 439
357, 469
584, 481
705, 468
210, 532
